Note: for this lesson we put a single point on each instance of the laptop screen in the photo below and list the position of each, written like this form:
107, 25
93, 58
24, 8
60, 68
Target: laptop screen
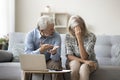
33, 62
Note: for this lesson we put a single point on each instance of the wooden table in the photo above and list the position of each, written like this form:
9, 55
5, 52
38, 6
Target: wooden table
45, 72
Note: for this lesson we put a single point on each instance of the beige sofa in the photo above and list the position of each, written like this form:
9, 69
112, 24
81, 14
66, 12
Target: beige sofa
107, 50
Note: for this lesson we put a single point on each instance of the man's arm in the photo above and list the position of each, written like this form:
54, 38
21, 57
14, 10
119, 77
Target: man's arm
56, 49
29, 44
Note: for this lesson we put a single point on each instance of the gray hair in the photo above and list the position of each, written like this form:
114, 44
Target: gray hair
74, 21
44, 21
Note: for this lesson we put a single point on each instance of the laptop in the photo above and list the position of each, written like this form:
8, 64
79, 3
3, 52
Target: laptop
33, 62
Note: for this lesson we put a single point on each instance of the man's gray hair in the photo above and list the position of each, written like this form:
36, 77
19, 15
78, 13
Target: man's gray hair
44, 21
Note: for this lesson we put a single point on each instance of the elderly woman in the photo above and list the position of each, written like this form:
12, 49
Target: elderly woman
80, 54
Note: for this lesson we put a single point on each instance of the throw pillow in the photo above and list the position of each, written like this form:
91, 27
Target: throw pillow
5, 56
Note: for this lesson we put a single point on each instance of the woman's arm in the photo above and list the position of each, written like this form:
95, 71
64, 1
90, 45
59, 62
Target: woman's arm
92, 64
72, 57
83, 53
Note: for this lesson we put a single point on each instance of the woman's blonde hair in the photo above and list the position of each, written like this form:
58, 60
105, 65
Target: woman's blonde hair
75, 21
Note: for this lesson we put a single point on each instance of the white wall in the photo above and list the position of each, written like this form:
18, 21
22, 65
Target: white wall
101, 16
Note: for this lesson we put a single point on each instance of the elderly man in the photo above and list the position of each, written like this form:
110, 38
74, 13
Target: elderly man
45, 40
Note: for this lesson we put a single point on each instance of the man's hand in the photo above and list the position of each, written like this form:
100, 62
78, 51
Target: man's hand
53, 50
45, 47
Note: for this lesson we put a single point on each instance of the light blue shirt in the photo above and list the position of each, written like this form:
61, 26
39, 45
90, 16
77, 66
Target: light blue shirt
34, 39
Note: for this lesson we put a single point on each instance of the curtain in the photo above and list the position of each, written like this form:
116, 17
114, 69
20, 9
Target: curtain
7, 17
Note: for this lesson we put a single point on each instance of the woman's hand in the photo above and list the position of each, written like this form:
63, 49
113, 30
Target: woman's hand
78, 32
92, 64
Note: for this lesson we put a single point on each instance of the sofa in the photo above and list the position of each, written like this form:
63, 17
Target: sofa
107, 50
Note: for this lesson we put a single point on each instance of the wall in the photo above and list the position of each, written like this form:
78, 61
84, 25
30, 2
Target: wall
101, 16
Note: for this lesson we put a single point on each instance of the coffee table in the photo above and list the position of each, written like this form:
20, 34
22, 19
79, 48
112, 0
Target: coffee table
45, 72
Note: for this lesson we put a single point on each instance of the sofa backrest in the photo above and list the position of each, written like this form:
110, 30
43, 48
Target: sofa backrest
63, 54
16, 44
107, 49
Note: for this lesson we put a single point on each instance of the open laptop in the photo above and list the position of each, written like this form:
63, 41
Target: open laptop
33, 62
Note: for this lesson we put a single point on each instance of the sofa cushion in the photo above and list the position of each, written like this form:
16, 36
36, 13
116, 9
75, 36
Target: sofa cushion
104, 61
10, 71
16, 44
107, 49
115, 52
63, 55
5, 56
17, 50
103, 46
103, 49
115, 39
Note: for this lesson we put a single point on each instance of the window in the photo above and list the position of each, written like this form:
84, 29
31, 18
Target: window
6, 17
